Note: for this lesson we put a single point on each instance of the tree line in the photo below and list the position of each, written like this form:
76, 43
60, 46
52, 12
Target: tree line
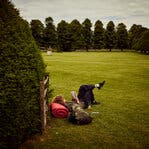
74, 35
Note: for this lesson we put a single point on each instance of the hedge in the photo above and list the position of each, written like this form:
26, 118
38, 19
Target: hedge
21, 69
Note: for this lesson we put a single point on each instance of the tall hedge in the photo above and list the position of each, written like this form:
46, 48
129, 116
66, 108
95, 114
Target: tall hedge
21, 69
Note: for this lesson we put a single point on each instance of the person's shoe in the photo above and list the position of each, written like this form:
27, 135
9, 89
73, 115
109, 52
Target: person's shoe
101, 85
95, 102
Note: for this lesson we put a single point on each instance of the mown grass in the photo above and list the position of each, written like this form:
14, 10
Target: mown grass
123, 118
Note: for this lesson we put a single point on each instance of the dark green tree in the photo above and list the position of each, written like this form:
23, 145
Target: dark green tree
134, 35
76, 35
37, 31
87, 33
64, 36
122, 36
110, 36
143, 43
21, 69
50, 35
98, 36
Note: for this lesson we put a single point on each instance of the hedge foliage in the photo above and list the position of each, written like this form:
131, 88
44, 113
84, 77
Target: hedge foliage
21, 69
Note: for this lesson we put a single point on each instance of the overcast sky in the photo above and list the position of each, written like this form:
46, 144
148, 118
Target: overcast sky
128, 12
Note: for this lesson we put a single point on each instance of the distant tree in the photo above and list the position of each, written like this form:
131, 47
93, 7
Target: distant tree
37, 31
50, 35
122, 36
98, 35
110, 36
134, 34
64, 36
87, 33
48, 21
77, 35
143, 43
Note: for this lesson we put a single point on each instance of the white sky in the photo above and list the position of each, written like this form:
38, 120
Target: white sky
128, 12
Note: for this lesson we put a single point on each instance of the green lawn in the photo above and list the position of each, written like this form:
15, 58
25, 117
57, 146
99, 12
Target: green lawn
123, 118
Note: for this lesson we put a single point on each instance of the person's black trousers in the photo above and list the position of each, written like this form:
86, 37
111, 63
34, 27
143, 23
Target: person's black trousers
85, 94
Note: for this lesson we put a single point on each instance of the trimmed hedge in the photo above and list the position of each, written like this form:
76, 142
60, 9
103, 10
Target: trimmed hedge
21, 69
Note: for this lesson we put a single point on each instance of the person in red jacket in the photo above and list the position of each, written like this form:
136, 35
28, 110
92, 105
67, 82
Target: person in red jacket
58, 107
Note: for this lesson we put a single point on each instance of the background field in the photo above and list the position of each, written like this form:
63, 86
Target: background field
123, 118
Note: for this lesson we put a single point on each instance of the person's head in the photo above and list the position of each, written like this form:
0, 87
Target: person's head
58, 99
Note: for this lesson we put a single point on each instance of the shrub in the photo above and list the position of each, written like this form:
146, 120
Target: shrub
21, 69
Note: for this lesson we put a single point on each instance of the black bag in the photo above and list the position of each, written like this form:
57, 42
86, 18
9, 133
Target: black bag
79, 116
